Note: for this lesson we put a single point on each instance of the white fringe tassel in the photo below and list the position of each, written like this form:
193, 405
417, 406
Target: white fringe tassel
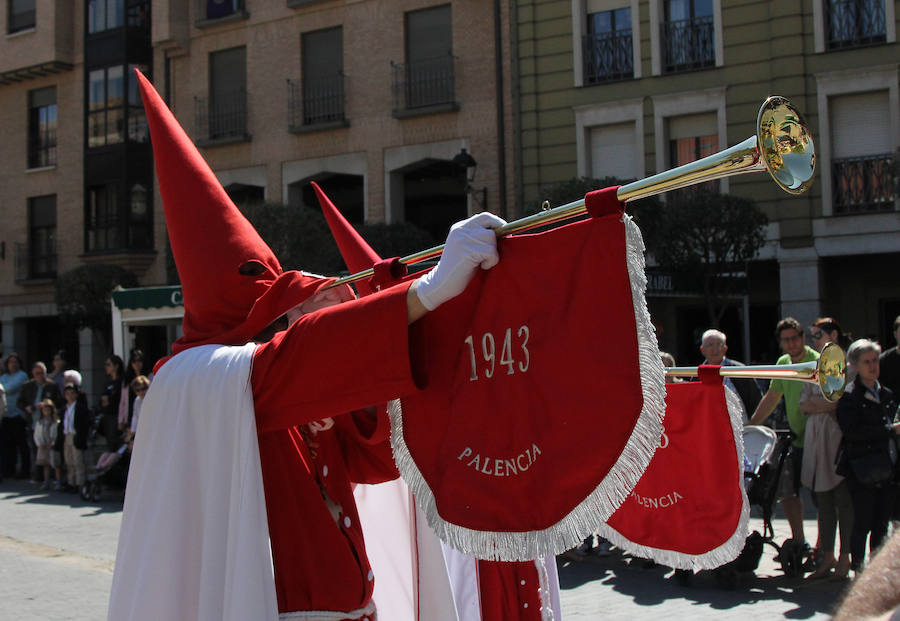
612, 491
720, 555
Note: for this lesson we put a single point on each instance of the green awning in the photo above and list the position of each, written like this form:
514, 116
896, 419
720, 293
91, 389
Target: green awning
148, 297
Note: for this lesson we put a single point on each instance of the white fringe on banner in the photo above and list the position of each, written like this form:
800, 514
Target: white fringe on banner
730, 549
615, 487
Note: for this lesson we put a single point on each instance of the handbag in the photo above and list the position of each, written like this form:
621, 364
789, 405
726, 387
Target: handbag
875, 467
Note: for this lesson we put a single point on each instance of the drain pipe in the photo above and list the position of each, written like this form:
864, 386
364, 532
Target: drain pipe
501, 130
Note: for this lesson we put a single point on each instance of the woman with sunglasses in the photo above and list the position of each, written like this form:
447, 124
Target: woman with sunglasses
822, 439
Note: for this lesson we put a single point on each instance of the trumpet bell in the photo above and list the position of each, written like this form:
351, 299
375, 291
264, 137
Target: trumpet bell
785, 145
832, 372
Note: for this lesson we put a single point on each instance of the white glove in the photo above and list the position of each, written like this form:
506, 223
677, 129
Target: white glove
470, 243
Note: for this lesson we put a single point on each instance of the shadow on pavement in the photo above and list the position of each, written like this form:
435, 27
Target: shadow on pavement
653, 585
26, 492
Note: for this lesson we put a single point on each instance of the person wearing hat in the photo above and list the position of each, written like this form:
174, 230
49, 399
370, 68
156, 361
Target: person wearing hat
235, 508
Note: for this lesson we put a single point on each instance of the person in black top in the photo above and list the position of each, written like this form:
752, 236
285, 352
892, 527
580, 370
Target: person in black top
867, 416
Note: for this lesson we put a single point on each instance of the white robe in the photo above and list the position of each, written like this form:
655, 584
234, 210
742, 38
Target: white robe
194, 541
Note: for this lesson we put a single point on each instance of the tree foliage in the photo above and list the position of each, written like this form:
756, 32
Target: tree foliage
301, 239
83, 295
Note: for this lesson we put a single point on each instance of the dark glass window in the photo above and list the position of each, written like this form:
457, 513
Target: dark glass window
101, 218
105, 15
608, 52
42, 127
323, 77
42, 236
854, 23
106, 111
223, 8
21, 15
688, 35
137, 119
140, 226
228, 93
428, 73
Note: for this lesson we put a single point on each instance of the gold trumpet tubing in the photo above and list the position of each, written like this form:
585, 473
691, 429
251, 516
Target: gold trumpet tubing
804, 372
741, 158
782, 146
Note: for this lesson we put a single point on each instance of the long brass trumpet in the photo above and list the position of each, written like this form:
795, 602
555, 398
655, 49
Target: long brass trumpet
829, 372
782, 146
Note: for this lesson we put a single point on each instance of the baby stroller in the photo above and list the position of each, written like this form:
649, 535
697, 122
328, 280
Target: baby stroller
766, 453
111, 471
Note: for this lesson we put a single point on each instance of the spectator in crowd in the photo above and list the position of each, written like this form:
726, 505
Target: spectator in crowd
60, 364
823, 437
866, 414
38, 388
890, 362
45, 429
713, 346
668, 360
111, 403
13, 430
790, 337
134, 368
76, 421
139, 387
33, 393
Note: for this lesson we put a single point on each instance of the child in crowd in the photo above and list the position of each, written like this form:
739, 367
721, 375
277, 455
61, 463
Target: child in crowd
138, 387
44, 439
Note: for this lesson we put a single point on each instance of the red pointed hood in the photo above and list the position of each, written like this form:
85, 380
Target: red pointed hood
211, 240
357, 254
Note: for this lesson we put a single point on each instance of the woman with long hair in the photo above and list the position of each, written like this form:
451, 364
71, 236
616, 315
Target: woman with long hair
110, 402
821, 442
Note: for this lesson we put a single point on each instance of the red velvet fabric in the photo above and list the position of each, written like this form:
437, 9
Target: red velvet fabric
509, 591
690, 497
506, 446
603, 202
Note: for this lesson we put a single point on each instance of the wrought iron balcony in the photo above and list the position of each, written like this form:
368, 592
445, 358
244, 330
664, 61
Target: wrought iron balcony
42, 148
854, 23
222, 118
688, 44
423, 84
34, 263
608, 56
317, 101
863, 184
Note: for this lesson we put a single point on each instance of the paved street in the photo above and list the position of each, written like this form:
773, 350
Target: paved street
57, 553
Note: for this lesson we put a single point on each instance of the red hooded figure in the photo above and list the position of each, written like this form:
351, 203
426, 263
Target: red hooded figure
239, 502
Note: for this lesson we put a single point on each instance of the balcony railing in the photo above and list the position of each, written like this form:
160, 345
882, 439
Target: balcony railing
423, 83
318, 101
688, 44
34, 263
863, 184
854, 23
42, 148
608, 56
223, 117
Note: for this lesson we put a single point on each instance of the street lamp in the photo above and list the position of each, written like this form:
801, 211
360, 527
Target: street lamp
466, 162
